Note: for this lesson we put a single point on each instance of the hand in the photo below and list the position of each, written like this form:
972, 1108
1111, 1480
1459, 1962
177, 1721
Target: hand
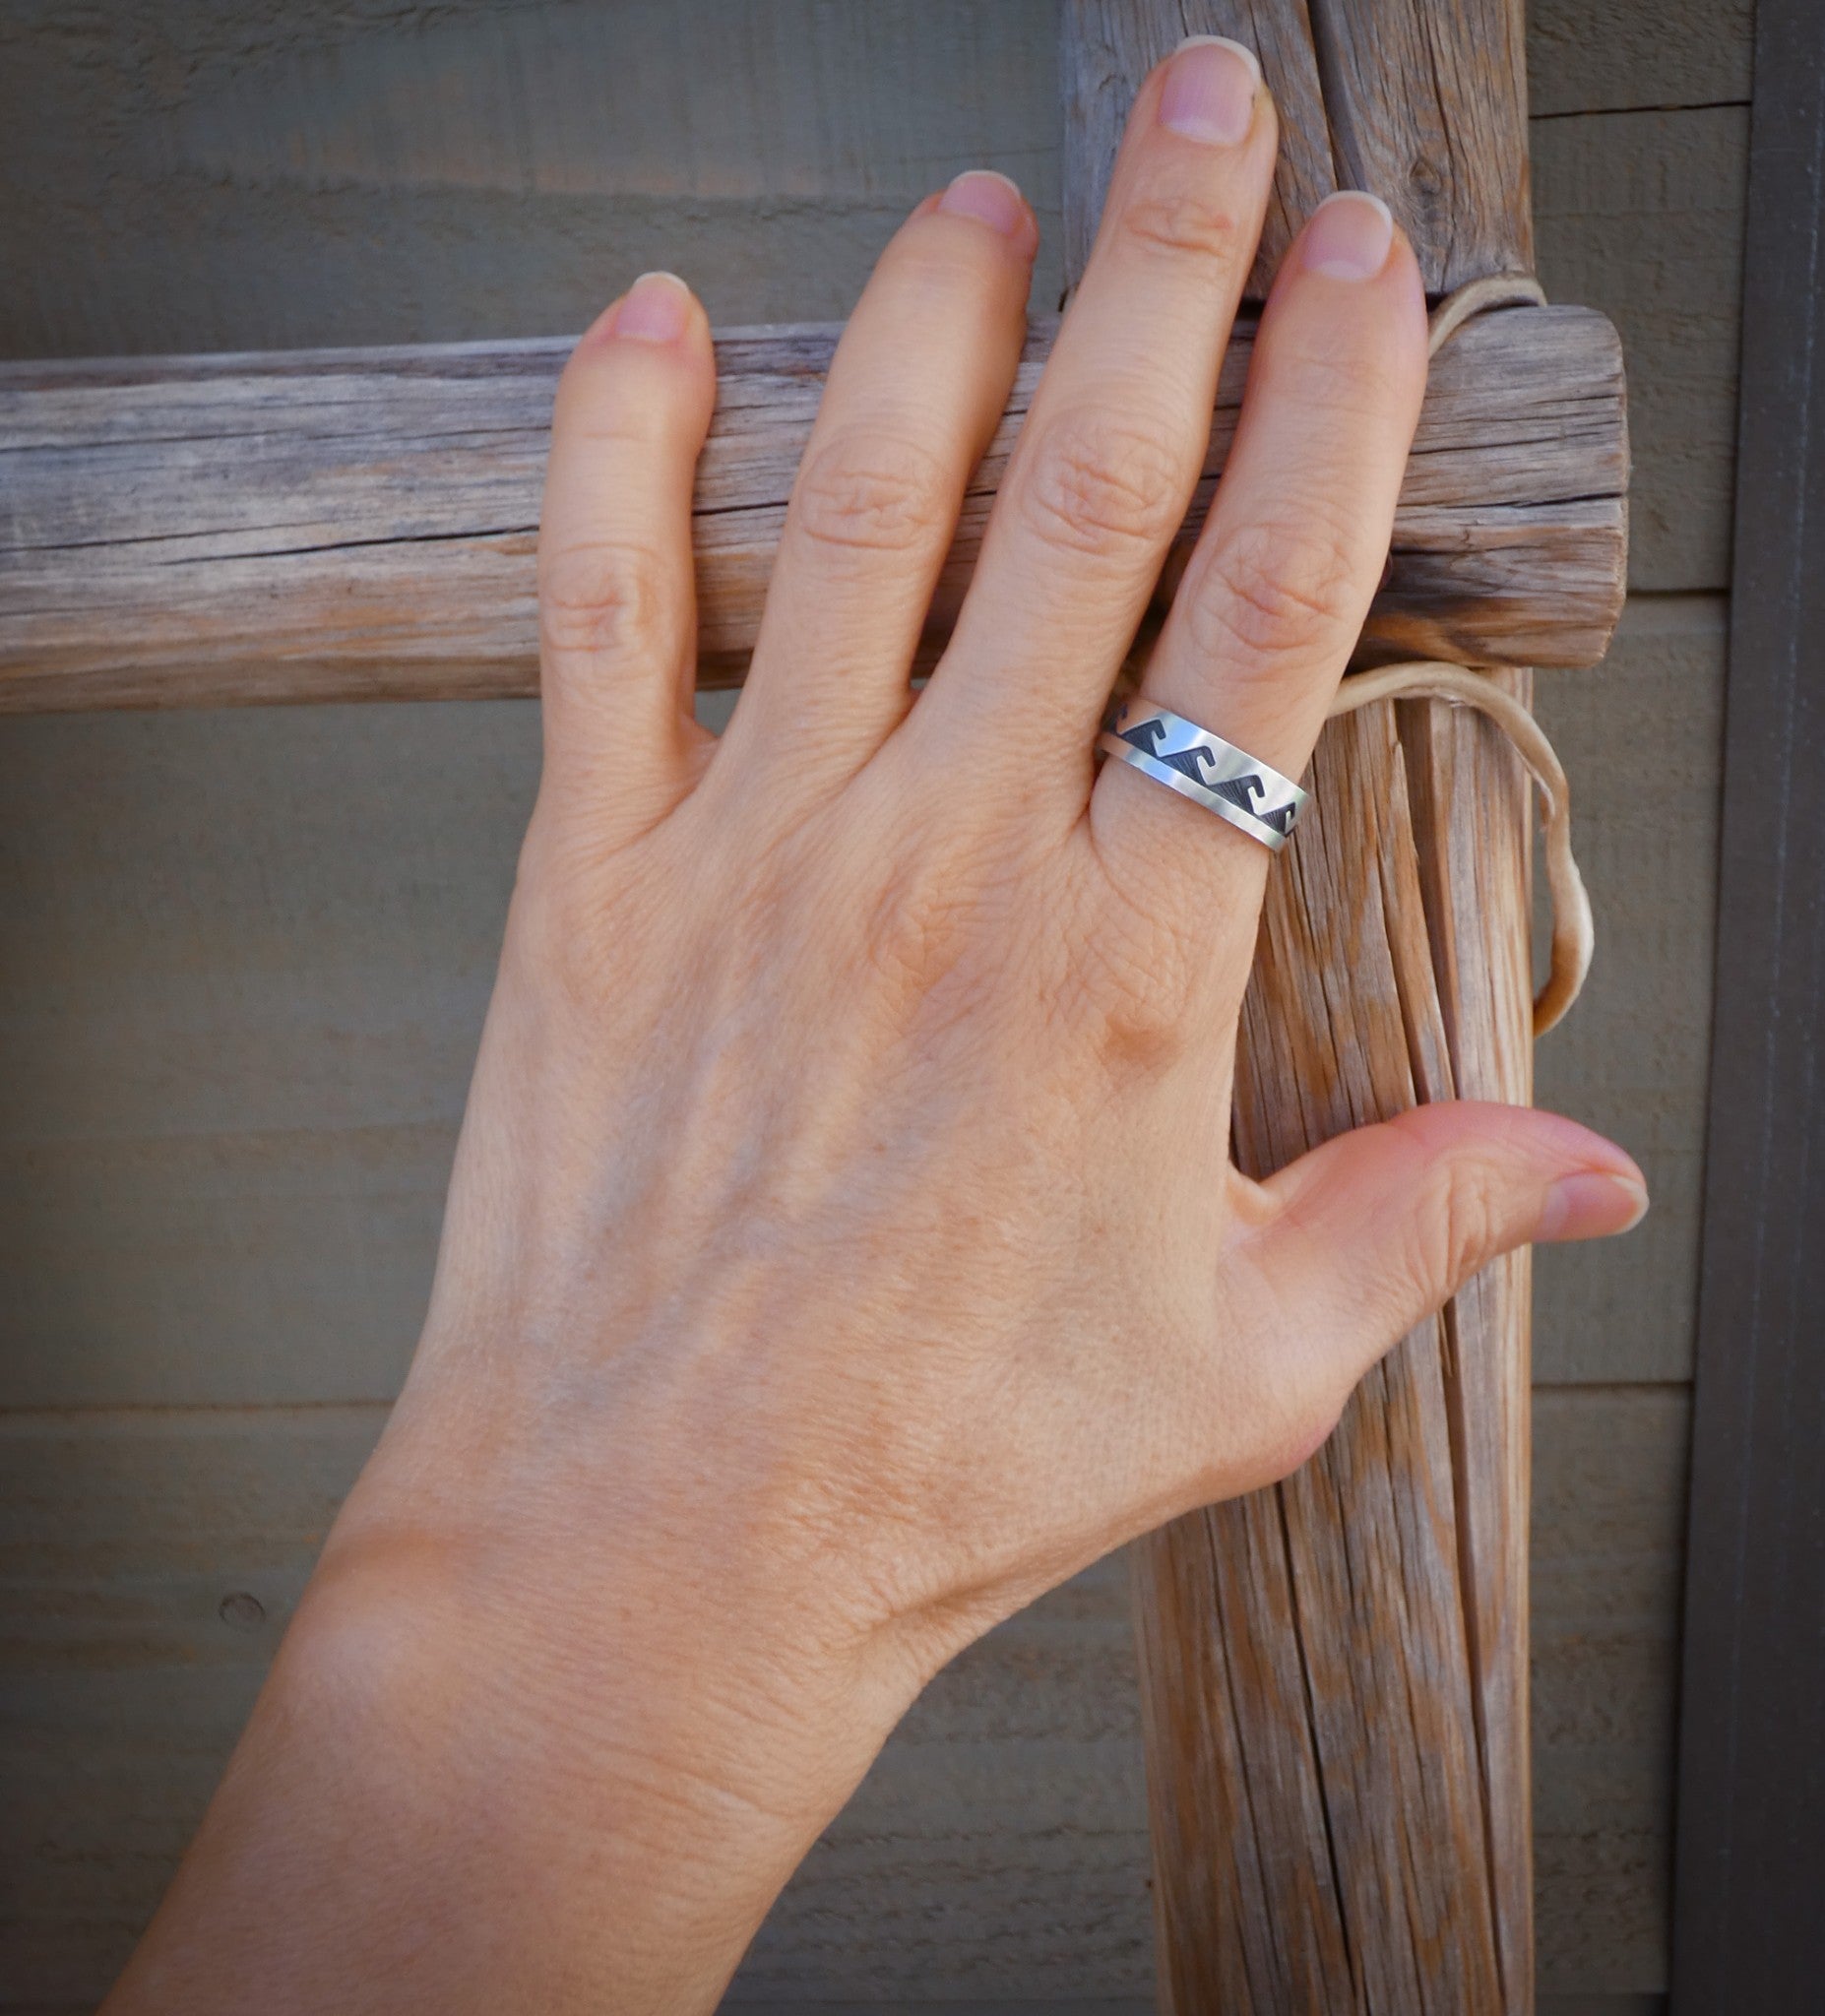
842, 1246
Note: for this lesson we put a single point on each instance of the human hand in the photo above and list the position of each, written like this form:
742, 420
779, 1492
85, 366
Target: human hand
843, 1246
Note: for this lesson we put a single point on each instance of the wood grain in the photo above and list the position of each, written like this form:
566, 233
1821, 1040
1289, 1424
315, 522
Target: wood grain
1472, 830
1323, 59
1335, 1673
1427, 109
1335, 1668
1105, 48
363, 525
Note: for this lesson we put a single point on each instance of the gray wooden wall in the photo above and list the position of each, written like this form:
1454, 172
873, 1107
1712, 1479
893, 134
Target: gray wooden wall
243, 957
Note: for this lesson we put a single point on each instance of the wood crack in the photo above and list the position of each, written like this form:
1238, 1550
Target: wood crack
1511, 527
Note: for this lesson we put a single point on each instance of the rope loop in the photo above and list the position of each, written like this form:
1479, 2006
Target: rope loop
1481, 297
1574, 930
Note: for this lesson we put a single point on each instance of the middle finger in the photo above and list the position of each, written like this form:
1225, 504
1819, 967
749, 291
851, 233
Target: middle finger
1110, 452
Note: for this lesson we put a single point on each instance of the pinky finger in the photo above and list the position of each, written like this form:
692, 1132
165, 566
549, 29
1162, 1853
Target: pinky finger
616, 600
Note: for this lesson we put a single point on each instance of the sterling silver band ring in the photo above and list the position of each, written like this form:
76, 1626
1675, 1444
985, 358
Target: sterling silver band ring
1207, 770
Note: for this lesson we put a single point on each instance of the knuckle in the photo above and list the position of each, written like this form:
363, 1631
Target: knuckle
1146, 978
1174, 215
864, 491
1268, 590
1457, 1228
601, 596
1105, 485
917, 931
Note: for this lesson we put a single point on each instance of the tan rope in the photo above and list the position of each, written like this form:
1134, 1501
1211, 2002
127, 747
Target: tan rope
1477, 298
1574, 932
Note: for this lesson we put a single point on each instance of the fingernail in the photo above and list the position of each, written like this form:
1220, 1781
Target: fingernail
655, 309
1591, 1205
989, 196
1348, 236
1211, 85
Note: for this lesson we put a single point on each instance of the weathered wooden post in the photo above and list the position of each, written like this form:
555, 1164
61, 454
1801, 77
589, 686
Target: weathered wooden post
1336, 1669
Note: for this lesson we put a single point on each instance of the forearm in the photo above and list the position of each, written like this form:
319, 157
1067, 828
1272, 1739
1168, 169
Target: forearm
479, 1781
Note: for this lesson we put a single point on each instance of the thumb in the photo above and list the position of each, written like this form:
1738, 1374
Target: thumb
1378, 1228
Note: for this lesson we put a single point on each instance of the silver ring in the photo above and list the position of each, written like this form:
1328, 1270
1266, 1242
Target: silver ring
1207, 770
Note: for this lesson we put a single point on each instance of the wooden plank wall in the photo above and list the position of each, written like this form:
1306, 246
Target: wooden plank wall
243, 956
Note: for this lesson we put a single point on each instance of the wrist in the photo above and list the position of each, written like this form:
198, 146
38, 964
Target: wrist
490, 1769
616, 1694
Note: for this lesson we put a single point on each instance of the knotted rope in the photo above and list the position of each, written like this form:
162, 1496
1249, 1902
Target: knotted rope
1574, 933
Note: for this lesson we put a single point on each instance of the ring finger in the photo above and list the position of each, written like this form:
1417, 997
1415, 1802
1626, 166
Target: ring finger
1278, 587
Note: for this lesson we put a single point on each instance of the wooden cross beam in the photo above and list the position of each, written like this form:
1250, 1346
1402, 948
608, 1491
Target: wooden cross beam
360, 524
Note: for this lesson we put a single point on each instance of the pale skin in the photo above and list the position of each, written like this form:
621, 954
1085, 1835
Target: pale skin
842, 1246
